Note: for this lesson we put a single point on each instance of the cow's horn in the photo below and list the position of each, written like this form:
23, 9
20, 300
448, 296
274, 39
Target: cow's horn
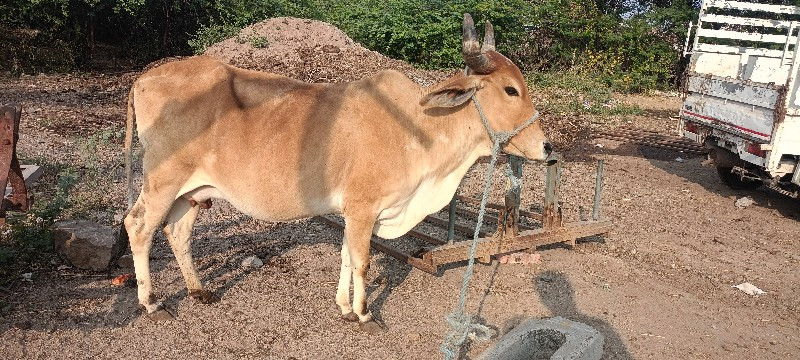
473, 56
488, 38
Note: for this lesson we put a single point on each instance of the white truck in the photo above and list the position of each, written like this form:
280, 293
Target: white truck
741, 92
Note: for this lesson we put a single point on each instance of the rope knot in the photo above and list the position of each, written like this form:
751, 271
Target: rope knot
502, 137
463, 326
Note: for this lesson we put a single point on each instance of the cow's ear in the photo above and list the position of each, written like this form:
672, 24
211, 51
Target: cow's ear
453, 93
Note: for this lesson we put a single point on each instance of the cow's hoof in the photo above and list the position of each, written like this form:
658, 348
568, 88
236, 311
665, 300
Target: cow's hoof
204, 296
371, 327
160, 314
350, 317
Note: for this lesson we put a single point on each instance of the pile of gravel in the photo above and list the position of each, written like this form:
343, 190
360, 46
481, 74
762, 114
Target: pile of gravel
311, 51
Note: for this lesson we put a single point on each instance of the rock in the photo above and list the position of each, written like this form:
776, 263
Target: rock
119, 217
86, 244
520, 258
23, 324
252, 262
744, 202
125, 261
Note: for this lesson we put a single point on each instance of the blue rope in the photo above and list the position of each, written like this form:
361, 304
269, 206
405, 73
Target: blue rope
463, 325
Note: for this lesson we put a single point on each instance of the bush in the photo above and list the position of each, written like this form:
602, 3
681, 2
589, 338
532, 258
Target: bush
26, 240
424, 33
636, 54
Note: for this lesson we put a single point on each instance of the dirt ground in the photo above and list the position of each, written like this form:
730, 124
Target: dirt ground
657, 287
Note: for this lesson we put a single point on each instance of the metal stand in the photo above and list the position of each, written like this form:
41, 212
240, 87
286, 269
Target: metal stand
16, 177
517, 229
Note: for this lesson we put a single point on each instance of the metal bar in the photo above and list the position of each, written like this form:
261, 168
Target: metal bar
487, 217
786, 45
741, 5
686, 43
456, 227
697, 27
526, 240
742, 36
8, 115
549, 215
738, 20
516, 163
418, 263
728, 49
473, 201
451, 221
425, 237
598, 190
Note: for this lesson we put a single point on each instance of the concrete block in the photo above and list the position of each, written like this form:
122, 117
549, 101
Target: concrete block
554, 338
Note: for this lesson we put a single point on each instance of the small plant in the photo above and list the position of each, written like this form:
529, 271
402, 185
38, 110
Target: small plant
26, 240
210, 35
259, 42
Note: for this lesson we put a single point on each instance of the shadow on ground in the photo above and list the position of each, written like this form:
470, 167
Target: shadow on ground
85, 300
687, 167
556, 292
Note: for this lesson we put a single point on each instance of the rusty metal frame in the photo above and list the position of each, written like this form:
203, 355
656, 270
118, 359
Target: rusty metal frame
10, 171
516, 229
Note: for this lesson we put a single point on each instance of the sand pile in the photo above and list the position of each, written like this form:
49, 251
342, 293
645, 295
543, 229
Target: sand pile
310, 50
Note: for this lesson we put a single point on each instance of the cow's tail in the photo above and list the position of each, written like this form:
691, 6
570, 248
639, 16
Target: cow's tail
128, 148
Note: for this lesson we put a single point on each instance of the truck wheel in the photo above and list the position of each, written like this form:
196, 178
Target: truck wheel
734, 181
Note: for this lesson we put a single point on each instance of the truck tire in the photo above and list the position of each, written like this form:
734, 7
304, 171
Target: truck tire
735, 181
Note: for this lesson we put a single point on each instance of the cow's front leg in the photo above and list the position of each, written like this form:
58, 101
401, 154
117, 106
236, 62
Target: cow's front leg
358, 233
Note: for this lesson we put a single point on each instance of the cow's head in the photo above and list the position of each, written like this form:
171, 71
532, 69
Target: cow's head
501, 90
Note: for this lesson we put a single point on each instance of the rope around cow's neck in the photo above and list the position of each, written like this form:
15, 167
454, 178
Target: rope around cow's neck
462, 324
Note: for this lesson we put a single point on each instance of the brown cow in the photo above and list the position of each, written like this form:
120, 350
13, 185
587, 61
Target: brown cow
382, 151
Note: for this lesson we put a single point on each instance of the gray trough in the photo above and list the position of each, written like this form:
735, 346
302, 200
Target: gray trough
553, 338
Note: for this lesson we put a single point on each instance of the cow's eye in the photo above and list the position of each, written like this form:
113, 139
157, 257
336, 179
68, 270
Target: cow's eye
511, 91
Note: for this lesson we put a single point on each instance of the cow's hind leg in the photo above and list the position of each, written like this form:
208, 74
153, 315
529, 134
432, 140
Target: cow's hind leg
144, 218
343, 290
358, 233
180, 221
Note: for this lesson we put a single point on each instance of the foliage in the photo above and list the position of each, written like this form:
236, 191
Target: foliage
639, 53
26, 239
425, 33
629, 45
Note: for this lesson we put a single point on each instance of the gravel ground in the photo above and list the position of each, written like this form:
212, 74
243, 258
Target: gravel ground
657, 286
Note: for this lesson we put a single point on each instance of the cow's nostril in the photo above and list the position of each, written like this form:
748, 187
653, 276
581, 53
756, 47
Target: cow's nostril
548, 148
